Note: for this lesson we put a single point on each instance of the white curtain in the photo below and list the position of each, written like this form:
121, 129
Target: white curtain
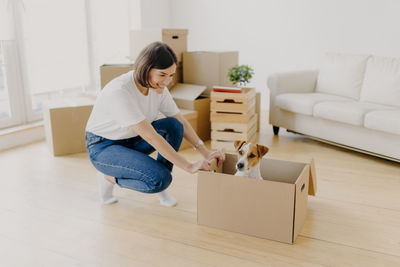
6, 29
55, 44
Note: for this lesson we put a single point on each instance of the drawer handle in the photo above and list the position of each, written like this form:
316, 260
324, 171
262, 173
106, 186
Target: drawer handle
175, 37
229, 101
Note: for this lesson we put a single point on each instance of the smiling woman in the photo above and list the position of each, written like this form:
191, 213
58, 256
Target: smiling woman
122, 129
153, 72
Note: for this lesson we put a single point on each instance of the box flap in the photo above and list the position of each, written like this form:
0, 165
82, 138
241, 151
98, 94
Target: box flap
214, 166
186, 91
312, 187
175, 31
301, 198
68, 102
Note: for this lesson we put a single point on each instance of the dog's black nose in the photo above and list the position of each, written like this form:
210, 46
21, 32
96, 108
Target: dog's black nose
240, 165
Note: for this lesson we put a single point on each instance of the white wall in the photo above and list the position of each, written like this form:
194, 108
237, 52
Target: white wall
155, 13
283, 35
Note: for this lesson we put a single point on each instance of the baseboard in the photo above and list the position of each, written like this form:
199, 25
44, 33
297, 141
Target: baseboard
347, 147
21, 135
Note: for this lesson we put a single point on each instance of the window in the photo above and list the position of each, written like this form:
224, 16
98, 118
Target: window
52, 48
45, 57
10, 83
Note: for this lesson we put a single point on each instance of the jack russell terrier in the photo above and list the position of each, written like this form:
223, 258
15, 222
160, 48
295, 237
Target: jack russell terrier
248, 164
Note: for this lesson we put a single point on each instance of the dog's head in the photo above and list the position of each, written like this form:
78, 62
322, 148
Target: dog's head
249, 154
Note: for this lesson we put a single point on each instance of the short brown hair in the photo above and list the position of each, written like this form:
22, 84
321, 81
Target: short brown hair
156, 55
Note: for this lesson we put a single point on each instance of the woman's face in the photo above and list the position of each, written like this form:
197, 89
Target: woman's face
159, 78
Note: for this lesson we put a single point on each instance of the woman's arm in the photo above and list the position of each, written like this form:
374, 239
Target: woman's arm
149, 134
190, 135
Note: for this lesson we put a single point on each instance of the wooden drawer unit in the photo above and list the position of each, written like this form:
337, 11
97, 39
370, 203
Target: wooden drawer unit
228, 145
230, 117
234, 131
233, 117
237, 103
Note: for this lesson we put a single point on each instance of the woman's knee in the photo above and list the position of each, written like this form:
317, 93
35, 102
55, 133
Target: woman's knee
173, 125
162, 183
158, 180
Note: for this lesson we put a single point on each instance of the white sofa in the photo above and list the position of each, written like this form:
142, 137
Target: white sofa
352, 101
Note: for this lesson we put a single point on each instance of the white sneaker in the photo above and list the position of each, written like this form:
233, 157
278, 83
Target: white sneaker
105, 189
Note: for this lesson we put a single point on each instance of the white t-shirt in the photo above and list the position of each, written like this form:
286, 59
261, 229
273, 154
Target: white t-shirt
120, 105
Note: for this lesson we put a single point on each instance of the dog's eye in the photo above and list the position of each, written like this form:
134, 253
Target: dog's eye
240, 152
252, 156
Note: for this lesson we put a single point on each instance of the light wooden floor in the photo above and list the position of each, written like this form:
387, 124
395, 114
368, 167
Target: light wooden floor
50, 215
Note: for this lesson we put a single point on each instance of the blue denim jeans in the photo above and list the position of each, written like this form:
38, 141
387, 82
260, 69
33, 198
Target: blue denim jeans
129, 162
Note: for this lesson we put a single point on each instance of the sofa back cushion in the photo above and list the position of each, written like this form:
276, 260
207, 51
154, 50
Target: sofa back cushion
382, 81
342, 75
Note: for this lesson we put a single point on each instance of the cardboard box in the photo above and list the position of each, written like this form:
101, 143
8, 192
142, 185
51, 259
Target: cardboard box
191, 116
177, 77
208, 68
188, 96
109, 72
175, 38
274, 208
65, 123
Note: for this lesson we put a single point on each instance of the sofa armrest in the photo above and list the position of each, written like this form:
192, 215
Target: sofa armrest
292, 82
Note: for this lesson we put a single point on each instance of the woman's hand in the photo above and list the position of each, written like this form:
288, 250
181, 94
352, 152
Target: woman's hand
219, 155
203, 164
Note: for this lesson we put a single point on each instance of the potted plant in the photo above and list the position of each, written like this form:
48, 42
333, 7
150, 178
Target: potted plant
240, 75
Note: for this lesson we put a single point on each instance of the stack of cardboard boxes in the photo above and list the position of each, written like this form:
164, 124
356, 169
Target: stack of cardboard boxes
188, 97
111, 71
233, 117
202, 70
208, 68
175, 38
197, 73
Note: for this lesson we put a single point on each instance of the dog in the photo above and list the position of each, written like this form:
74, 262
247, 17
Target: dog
249, 154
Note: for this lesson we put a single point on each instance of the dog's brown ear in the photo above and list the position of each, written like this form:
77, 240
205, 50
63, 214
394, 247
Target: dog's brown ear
238, 144
262, 150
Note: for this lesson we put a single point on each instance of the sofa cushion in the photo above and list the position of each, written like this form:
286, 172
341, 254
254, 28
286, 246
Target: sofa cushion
342, 75
304, 103
382, 81
350, 112
383, 120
